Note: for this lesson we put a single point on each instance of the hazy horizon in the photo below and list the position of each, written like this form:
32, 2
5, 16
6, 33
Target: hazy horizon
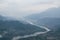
21, 8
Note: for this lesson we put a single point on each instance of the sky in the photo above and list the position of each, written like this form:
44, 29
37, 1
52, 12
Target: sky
21, 8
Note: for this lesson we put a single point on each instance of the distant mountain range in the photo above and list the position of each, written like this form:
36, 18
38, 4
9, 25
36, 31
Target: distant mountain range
50, 17
52, 12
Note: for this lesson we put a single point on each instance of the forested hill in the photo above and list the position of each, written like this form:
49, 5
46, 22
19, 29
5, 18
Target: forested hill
12, 28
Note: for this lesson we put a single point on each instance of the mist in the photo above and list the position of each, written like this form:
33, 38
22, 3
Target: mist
22, 8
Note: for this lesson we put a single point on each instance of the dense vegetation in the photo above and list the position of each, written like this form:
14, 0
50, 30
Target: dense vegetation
12, 28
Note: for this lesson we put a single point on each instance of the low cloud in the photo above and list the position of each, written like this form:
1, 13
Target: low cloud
19, 8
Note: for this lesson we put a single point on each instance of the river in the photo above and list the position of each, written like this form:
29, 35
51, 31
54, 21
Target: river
34, 34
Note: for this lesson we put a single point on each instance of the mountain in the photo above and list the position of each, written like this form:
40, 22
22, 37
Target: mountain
50, 17
52, 12
12, 28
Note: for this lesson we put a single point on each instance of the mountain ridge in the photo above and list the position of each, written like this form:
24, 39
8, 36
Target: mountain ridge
52, 12
12, 28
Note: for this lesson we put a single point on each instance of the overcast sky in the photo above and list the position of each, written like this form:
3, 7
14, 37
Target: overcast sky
20, 8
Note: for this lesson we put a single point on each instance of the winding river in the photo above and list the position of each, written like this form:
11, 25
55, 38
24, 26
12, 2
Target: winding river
34, 34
